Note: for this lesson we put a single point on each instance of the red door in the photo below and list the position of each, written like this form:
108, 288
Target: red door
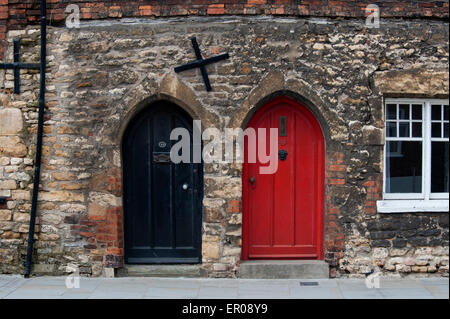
283, 212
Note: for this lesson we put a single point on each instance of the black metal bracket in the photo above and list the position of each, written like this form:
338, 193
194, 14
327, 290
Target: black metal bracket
201, 63
16, 66
2, 200
161, 157
283, 126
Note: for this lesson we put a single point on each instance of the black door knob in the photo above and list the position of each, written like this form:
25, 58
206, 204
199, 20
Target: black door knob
282, 155
252, 180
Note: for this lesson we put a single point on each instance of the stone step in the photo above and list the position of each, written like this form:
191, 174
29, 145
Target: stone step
187, 271
284, 269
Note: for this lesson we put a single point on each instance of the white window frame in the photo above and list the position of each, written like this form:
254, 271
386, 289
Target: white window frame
415, 202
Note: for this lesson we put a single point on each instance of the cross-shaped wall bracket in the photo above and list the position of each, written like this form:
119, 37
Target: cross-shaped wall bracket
16, 66
201, 63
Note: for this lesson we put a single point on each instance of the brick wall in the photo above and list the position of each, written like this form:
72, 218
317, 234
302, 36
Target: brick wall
16, 14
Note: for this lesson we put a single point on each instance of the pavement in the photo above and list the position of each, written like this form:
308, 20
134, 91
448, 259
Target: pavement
16, 287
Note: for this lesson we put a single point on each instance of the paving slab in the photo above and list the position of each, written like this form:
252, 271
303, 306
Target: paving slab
226, 283
218, 293
434, 281
116, 295
315, 293
405, 293
4, 293
173, 283
361, 293
171, 293
264, 292
16, 287
399, 283
439, 291
36, 293
321, 283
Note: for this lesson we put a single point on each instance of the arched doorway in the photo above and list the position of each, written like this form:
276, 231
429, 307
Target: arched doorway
283, 212
162, 200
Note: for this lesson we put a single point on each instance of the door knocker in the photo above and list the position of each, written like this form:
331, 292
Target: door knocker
282, 155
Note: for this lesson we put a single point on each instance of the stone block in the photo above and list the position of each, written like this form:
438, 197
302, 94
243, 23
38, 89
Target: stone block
21, 217
8, 184
11, 121
61, 196
20, 195
210, 250
43, 268
5, 214
12, 146
415, 81
294, 269
372, 135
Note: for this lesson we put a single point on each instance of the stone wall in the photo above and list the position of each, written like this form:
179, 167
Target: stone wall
100, 75
17, 14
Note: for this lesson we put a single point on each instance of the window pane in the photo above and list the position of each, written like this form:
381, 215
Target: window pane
446, 112
404, 129
436, 130
391, 129
436, 112
446, 130
439, 167
403, 111
416, 129
391, 111
404, 167
417, 112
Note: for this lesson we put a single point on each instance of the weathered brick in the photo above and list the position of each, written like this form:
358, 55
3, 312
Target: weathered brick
234, 206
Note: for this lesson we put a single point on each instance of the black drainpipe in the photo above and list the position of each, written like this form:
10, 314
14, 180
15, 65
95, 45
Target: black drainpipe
37, 167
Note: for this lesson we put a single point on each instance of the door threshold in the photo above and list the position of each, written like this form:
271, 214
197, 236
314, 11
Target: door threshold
284, 269
159, 270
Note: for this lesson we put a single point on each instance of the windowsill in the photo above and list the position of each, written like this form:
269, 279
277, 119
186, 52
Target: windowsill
411, 206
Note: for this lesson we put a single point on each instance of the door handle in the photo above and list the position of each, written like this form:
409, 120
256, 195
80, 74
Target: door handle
282, 155
252, 180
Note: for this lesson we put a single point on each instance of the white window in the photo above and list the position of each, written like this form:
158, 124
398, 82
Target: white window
416, 156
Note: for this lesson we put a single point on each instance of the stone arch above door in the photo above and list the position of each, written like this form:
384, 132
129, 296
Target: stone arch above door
171, 89
276, 84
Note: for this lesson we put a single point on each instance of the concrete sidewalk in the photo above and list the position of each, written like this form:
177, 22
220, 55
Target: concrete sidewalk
16, 287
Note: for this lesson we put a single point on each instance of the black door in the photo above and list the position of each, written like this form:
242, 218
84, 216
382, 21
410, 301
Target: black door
162, 200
